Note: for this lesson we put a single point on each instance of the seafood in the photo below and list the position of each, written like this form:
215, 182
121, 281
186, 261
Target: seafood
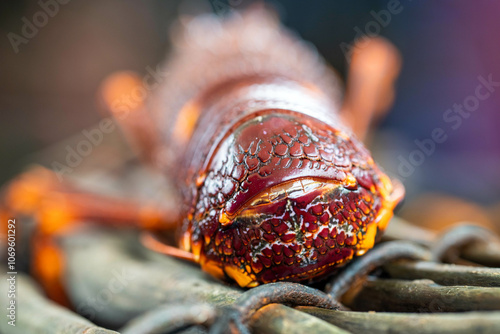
249, 125
275, 187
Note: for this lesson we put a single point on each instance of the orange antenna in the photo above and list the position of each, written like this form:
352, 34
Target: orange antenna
124, 94
375, 65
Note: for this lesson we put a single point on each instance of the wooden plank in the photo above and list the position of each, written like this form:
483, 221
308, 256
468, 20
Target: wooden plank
278, 319
392, 295
37, 314
445, 274
388, 323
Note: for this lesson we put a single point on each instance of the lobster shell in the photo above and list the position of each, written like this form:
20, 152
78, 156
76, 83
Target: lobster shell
274, 186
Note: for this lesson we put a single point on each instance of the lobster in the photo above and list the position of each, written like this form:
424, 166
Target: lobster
249, 125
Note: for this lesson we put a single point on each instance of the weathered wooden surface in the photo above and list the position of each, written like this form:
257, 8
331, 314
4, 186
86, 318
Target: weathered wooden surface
276, 319
484, 251
107, 283
111, 285
36, 314
285, 293
445, 274
126, 285
388, 323
392, 295
400, 229
172, 318
449, 244
356, 271
487, 254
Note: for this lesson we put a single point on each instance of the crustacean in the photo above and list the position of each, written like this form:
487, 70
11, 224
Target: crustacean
275, 185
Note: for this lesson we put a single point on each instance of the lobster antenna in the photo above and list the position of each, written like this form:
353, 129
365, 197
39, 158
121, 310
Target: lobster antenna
124, 95
374, 67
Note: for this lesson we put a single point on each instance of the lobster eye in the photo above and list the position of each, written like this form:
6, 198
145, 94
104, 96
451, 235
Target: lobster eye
260, 201
289, 189
298, 190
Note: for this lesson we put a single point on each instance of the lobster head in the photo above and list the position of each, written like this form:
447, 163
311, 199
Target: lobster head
287, 197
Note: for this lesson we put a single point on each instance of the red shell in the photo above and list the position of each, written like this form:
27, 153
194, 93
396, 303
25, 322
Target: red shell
275, 186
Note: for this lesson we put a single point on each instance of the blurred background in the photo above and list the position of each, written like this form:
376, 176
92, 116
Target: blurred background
50, 75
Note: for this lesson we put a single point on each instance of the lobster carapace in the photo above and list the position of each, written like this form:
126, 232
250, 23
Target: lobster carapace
275, 187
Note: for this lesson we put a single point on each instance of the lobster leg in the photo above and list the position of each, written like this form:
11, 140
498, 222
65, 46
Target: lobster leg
124, 94
58, 209
374, 67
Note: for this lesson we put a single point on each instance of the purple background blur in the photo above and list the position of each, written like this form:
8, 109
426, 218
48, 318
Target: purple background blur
48, 89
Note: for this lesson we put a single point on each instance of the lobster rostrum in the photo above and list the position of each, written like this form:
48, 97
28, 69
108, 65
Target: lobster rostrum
274, 184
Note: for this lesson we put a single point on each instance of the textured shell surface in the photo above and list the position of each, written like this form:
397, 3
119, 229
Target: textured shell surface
274, 186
